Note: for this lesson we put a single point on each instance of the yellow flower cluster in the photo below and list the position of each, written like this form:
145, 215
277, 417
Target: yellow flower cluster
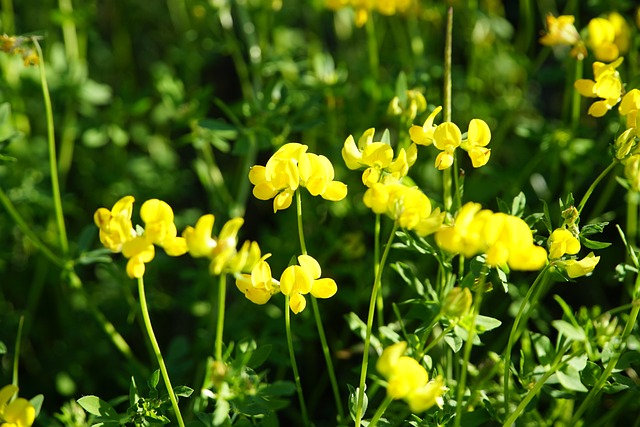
409, 207
138, 245
295, 282
413, 104
118, 235
505, 239
363, 8
447, 137
225, 258
606, 85
17, 412
376, 157
291, 167
18, 45
407, 379
609, 37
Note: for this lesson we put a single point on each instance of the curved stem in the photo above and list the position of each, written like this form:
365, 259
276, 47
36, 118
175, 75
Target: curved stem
528, 302
376, 267
156, 350
294, 365
380, 412
367, 340
468, 345
16, 356
594, 184
222, 295
303, 246
53, 163
447, 173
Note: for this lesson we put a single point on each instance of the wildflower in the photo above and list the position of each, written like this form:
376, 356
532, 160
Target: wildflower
504, 239
608, 37
377, 159
15, 413
408, 380
629, 107
408, 206
299, 280
291, 167
575, 268
606, 85
364, 8
562, 242
632, 171
447, 137
222, 249
457, 303
560, 31
258, 286
19, 45
413, 104
118, 235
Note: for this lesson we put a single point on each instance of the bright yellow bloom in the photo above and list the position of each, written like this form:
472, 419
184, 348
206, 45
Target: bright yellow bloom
408, 380
609, 37
504, 239
377, 159
299, 280
408, 206
118, 235
475, 145
629, 107
560, 31
575, 268
562, 242
17, 413
607, 86
423, 135
258, 286
446, 137
291, 167
632, 171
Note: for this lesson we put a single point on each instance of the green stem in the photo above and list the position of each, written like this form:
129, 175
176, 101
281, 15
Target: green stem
535, 389
447, 173
367, 340
372, 45
437, 339
222, 295
156, 350
24, 227
318, 319
16, 356
595, 183
575, 99
7, 17
468, 345
53, 164
381, 409
529, 302
294, 365
376, 267
69, 31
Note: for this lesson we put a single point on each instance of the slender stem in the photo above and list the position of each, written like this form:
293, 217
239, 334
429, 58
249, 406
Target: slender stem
427, 332
294, 365
53, 164
595, 183
7, 17
24, 227
376, 267
372, 45
447, 173
522, 316
575, 99
318, 319
16, 356
468, 345
437, 339
381, 409
156, 350
535, 389
222, 295
367, 340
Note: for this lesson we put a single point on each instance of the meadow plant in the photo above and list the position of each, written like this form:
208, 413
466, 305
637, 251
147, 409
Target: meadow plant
445, 289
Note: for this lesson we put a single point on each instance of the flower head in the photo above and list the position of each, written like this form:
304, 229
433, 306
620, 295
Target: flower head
407, 379
562, 242
560, 31
577, 268
606, 85
291, 167
15, 413
609, 37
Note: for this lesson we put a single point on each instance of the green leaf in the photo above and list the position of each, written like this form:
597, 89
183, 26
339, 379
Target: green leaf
569, 378
280, 388
593, 228
154, 379
590, 374
592, 244
518, 205
259, 356
183, 391
486, 323
353, 401
544, 348
36, 402
546, 220
96, 406
3, 348
568, 330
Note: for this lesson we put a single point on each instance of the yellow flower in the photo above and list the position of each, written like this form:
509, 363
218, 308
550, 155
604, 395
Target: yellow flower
562, 242
291, 167
504, 239
408, 380
377, 159
423, 135
17, 413
575, 268
609, 37
560, 31
408, 206
117, 233
629, 107
299, 280
446, 137
607, 86
632, 171
258, 286
414, 104
475, 145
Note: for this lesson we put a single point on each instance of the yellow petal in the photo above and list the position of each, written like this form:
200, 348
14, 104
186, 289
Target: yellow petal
585, 87
310, 265
335, 191
351, 155
324, 288
479, 133
297, 303
599, 108
447, 136
387, 361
